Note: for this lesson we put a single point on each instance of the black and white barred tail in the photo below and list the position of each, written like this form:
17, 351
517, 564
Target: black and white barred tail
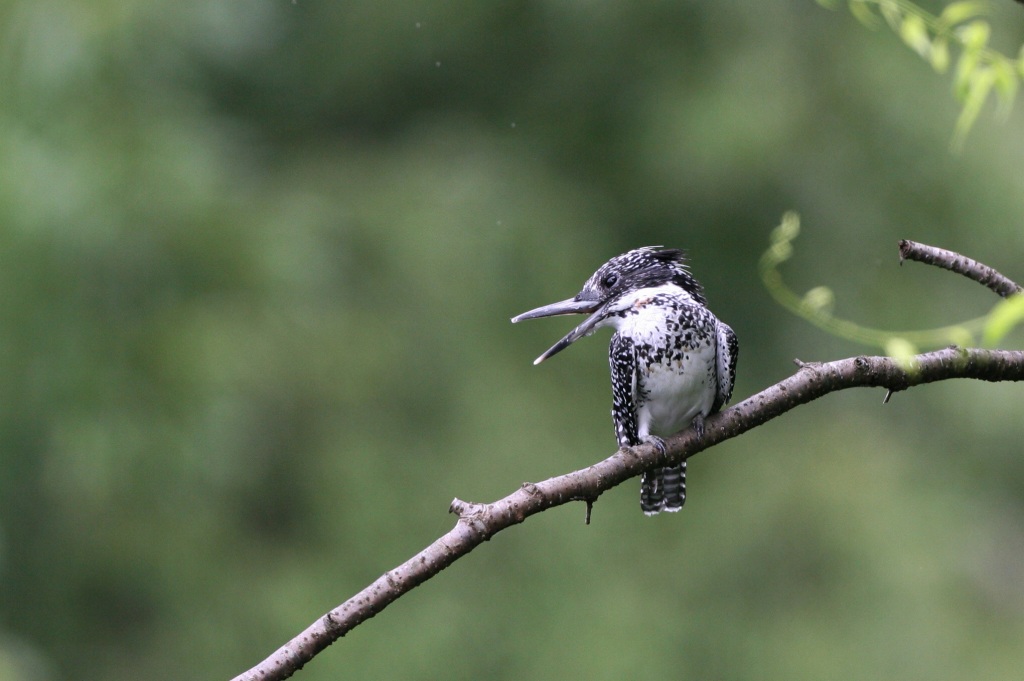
663, 489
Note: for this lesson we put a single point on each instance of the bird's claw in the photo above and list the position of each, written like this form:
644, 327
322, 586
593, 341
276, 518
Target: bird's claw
657, 442
698, 425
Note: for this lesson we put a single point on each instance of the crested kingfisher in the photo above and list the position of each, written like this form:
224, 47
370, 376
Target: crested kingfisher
672, 361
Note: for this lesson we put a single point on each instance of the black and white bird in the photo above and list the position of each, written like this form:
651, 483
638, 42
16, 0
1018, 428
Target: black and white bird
672, 361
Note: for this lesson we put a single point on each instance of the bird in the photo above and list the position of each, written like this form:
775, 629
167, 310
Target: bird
672, 361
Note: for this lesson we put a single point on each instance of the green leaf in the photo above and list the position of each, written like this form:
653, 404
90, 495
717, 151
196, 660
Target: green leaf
819, 300
1006, 315
939, 55
781, 247
901, 350
915, 34
788, 229
1005, 81
975, 35
965, 69
780, 252
862, 13
891, 13
961, 335
980, 85
956, 12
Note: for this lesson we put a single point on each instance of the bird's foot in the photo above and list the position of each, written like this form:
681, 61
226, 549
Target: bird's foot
658, 443
698, 425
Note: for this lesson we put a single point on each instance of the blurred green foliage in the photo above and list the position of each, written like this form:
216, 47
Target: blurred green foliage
258, 260
980, 70
817, 304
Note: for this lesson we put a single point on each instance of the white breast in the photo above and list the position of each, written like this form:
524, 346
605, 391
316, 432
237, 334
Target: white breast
682, 384
672, 394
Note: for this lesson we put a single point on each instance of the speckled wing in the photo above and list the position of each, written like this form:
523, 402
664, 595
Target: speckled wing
622, 360
728, 350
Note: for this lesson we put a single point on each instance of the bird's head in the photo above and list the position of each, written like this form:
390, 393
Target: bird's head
642, 268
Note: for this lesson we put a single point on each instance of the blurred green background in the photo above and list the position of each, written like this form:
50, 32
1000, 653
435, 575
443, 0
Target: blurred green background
257, 261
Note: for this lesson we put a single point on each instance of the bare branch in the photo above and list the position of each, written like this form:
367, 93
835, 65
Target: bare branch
954, 262
479, 522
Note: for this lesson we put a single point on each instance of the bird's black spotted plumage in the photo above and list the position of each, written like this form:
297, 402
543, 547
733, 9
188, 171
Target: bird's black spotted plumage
672, 361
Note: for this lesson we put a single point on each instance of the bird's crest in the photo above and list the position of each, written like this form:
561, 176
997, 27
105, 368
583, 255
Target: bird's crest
645, 267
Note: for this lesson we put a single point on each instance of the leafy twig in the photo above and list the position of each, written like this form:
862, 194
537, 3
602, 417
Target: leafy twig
816, 305
979, 69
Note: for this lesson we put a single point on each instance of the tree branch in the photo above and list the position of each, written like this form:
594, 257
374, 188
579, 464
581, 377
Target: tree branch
954, 262
478, 522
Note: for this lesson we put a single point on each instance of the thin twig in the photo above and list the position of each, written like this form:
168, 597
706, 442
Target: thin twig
954, 262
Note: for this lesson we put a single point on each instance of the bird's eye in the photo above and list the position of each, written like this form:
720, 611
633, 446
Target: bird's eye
610, 280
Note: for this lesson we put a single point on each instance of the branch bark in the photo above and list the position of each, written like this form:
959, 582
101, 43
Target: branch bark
954, 262
478, 522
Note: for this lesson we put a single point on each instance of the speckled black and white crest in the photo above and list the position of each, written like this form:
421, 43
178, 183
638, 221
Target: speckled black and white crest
642, 268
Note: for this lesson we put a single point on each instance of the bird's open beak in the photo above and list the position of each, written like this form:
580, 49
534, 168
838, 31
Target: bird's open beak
570, 306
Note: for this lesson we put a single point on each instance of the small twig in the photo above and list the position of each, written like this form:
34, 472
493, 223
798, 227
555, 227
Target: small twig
954, 262
589, 501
